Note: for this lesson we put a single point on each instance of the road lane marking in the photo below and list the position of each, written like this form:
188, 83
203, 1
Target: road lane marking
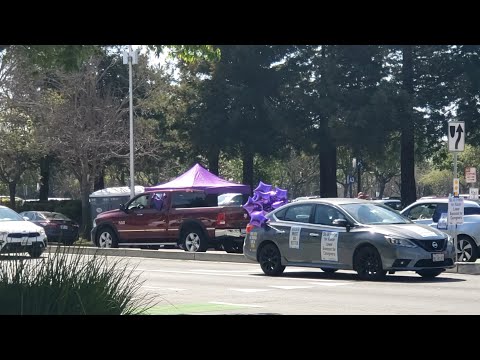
185, 309
163, 288
249, 290
329, 284
254, 275
230, 304
286, 287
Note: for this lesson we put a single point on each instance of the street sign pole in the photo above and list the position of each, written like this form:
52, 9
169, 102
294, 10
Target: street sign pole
455, 231
456, 143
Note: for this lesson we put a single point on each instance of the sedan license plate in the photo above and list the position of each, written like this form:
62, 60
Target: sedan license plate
438, 257
64, 227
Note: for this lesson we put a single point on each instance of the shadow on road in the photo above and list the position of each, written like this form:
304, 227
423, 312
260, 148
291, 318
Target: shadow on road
12, 257
442, 278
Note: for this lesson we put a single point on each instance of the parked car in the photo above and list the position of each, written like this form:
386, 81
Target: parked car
350, 234
429, 211
58, 227
19, 235
189, 219
395, 204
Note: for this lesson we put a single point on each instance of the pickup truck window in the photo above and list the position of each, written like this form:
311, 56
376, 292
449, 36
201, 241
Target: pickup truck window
142, 202
189, 200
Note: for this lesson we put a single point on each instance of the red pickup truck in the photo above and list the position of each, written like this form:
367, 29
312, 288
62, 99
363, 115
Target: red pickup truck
189, 219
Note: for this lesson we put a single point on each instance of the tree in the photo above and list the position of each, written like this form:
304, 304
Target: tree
87, 126
18, 148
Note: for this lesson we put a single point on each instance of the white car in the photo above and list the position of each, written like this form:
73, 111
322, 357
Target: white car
18, 235
428, 211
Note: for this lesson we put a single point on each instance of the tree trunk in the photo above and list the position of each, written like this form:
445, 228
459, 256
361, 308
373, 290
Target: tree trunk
381, 188
122, 179
12, 187
328, 162
247, 167
213, 159
407, 140
99, 183
86, 218
44, 191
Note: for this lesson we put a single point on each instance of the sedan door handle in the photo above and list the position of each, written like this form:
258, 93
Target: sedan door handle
314, 234
139, 214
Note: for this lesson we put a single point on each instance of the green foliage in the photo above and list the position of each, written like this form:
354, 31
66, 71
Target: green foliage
70, 284
189, 53
436, 182
69, 208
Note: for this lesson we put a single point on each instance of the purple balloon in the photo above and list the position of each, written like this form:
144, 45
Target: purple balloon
280, 194
249, 205
263, 187
257, 218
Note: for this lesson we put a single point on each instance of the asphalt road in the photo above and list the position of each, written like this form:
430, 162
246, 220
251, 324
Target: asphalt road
204, 287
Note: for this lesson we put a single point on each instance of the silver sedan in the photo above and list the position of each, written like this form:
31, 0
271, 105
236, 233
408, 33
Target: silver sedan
350, 234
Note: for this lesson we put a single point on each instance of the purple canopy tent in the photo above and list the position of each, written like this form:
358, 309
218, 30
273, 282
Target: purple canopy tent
199, 178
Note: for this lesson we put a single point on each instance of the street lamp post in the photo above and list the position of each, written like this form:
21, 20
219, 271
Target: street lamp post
130, 58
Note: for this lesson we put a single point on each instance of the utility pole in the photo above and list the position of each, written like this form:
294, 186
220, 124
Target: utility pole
131, 58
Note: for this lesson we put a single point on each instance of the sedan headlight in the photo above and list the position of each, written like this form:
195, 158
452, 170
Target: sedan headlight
41, 231
400, 242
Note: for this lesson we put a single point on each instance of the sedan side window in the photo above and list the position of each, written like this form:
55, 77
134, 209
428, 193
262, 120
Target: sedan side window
423, 211
299, 213
324, 215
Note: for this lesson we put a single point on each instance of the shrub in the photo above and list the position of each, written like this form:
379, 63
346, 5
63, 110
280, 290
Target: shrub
70, 284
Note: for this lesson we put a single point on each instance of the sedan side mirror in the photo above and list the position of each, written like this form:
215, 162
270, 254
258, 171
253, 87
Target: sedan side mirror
122, 207
342, 222
26, 218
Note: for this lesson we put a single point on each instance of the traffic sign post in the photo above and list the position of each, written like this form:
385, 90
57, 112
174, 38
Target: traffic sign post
456, 144
456, 136
455, 217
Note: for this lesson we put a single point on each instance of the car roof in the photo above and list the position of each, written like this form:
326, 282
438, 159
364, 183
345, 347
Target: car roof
334, 201
445, 201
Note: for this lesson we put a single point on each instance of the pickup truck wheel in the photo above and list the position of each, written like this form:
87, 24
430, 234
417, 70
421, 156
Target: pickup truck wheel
194, 240
106, 238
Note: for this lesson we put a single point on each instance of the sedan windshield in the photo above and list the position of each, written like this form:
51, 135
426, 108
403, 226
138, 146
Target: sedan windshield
370, 214
9, 215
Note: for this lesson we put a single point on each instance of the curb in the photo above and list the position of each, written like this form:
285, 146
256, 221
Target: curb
152, 254
472, 268
460, 268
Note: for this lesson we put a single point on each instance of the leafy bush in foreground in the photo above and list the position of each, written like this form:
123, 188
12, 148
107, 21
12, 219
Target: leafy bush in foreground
69, 284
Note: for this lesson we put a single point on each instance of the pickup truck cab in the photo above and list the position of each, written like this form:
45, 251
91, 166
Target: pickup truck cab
189, 219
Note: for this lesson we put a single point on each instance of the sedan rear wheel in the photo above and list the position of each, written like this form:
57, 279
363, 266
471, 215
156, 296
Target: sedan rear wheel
368, 264
270, 260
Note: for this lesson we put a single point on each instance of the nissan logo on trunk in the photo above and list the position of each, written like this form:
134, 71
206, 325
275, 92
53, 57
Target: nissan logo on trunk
434, 244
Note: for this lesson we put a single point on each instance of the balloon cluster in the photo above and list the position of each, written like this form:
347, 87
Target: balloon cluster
265, 199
